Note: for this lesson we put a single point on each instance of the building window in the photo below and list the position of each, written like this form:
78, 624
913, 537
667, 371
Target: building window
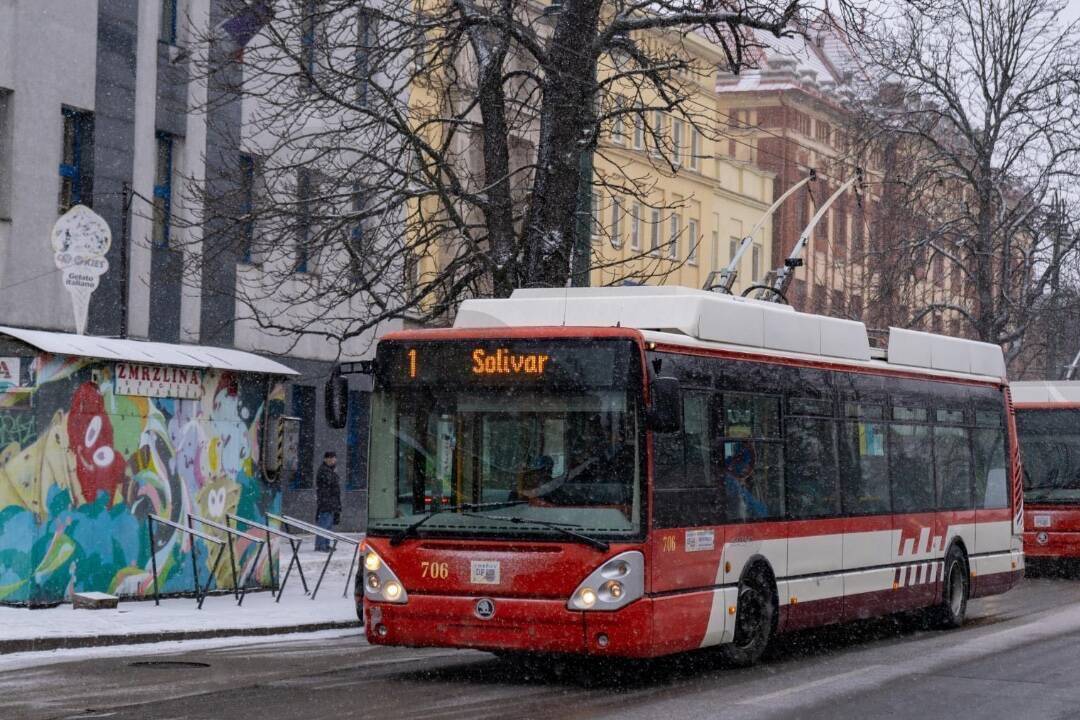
616, 222
356, 232
356, 440
5, 153
76, 160
247, 206
411, 271
733, 247
654, 233
618, 123
163, 175
639, 131
755, 262
675, 227
308, 28
693, 239
657, 131
678, 128
695, 148
303, 220
594, 226
303, 407
169, 12
365, 41
635, 228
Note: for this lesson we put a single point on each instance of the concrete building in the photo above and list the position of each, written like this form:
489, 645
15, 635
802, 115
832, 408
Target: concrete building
95, 102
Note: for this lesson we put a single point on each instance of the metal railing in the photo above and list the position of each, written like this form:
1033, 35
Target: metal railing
334, 539
200, 592
294, 543
238, 591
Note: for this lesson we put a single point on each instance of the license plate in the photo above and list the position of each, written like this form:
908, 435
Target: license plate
1042, 521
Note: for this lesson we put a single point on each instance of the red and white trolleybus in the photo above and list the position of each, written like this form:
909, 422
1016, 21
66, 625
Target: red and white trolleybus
642, 471
1048, 426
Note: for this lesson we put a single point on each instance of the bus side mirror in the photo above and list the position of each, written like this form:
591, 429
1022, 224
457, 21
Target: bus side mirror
665, 411
336, 401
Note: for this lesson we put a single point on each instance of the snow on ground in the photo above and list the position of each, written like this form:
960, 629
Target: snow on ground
22, 660
219, 612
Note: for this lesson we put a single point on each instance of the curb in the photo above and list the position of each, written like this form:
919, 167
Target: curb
66, 643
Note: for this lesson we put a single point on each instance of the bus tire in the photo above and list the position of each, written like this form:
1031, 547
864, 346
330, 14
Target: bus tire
955, 591
756, 619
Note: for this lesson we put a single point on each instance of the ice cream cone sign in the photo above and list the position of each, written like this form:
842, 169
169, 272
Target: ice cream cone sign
80, 240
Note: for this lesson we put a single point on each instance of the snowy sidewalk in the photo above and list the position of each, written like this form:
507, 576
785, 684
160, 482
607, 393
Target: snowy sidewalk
23, 629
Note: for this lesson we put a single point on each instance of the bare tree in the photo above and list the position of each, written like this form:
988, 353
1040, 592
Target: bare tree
410, 155
974, 107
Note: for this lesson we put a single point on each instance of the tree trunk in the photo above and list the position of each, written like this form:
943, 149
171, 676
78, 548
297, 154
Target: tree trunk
566, 112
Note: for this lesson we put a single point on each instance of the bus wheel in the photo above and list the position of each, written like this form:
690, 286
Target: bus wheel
755, 621
955, 589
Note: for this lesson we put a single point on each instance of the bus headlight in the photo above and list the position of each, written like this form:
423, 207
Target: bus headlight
380, 582
614, 585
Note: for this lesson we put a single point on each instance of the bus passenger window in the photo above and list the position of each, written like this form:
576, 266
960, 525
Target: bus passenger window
750, 462
952, 463
910, 468
685, 493
864, 472
810, 468
991, 476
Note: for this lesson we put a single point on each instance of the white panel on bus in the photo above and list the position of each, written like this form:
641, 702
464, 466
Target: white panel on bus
793, 332
735, 323
844, 339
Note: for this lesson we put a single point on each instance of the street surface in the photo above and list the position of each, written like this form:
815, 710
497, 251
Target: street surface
1017, 657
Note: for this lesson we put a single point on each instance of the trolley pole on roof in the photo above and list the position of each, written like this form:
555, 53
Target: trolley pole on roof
778, 281
723, 280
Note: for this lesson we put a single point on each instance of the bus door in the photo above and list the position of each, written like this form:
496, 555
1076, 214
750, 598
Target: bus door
992, 492
687, 539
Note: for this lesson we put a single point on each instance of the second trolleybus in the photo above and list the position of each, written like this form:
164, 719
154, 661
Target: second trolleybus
1048, 427
643, 471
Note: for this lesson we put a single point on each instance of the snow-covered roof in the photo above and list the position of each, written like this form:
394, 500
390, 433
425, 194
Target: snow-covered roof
1046, 392
141, 351
728, 320
813, 62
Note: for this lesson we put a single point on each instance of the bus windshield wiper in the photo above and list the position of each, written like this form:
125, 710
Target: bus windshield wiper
561, 528
410, 530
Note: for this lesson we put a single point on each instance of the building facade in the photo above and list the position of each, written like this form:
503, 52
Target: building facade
110, 123
700, 201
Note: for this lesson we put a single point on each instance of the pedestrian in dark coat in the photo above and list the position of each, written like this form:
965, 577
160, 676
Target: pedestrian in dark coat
327, 498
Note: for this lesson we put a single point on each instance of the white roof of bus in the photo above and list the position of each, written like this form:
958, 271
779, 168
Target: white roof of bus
730, 321
1066, 392
153, 353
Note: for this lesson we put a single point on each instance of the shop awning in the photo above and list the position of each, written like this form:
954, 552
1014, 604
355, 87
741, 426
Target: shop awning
153, 353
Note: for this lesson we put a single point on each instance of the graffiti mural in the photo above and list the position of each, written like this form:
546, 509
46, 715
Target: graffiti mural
81, 468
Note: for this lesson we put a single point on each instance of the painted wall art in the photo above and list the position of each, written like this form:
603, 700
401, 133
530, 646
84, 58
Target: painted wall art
82, 466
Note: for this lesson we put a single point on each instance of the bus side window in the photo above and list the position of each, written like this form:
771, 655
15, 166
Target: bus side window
864, 471
991, 475
749, 456
810, 472
684, 493
952, 464
911, 466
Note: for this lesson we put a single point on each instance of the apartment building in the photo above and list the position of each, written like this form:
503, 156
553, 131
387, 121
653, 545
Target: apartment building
700, 201
98, 106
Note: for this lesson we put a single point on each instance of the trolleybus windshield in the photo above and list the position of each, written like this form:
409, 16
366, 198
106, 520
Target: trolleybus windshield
1050, 443
506, 438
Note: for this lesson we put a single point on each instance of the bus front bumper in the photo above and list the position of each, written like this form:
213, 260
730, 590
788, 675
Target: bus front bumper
517, 625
